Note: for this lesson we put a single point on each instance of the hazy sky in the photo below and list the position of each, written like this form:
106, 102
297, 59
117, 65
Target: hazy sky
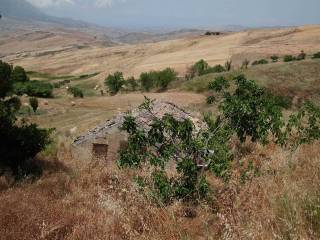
186, 13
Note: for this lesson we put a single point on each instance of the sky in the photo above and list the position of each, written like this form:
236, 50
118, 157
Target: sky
185, 13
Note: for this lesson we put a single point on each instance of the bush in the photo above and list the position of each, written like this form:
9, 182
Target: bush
5, 75
19, 75
147, 81
77, 92
34, 103
211, 100
301, 56
19, 143
132, 84
164, 77
219, 84
33, 88
154, 146
316, 55
216, 69
114, 82
274, 58
201, 67
260, 62
289, 58
160, 79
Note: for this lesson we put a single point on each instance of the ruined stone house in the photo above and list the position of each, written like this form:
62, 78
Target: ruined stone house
103, 142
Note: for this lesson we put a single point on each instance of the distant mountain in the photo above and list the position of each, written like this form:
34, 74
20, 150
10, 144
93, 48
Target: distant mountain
23, 10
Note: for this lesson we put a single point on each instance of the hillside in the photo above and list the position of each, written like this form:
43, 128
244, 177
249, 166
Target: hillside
178, 53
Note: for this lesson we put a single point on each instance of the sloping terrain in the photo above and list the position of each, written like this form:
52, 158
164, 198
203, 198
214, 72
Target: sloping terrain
179, 53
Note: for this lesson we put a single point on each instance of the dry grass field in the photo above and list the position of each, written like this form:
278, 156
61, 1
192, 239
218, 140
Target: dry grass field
178, 54
74, 199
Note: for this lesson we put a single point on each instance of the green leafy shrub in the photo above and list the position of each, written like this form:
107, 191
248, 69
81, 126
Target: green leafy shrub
316, 55
260, 62
218, 84
147, 81
155, 148
159, 79
34, 103
201, 67
34, 89
132, 84
5, 76
21, 142
216, 69
289, 58
211, 100
164, 77
76, 92
274, 58
114, 82
19, 75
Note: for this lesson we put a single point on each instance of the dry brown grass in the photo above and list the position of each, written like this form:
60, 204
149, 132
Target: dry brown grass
83, 200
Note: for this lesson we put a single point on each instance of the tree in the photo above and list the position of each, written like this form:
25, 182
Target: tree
19, 75
34, 103
163, 78
201, 67
176, 140
5, 78
115, 82
77, 92
316, 55
147, 81
19, 143
274, 58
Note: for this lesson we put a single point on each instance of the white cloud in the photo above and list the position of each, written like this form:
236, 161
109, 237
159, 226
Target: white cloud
106, 3
48, 3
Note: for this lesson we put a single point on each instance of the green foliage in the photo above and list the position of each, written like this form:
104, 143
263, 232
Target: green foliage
219, 84
167, 140
316, 55
61, 83
304, 126
252, 112
201, 67
34, 103
5, 75
19, 75
211, 100
76, 92
289, 58
132, 84
115, 82
260, 62
33, 88
215, 69
274, 58
160, 79
19, 144
147, 81
163, 78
